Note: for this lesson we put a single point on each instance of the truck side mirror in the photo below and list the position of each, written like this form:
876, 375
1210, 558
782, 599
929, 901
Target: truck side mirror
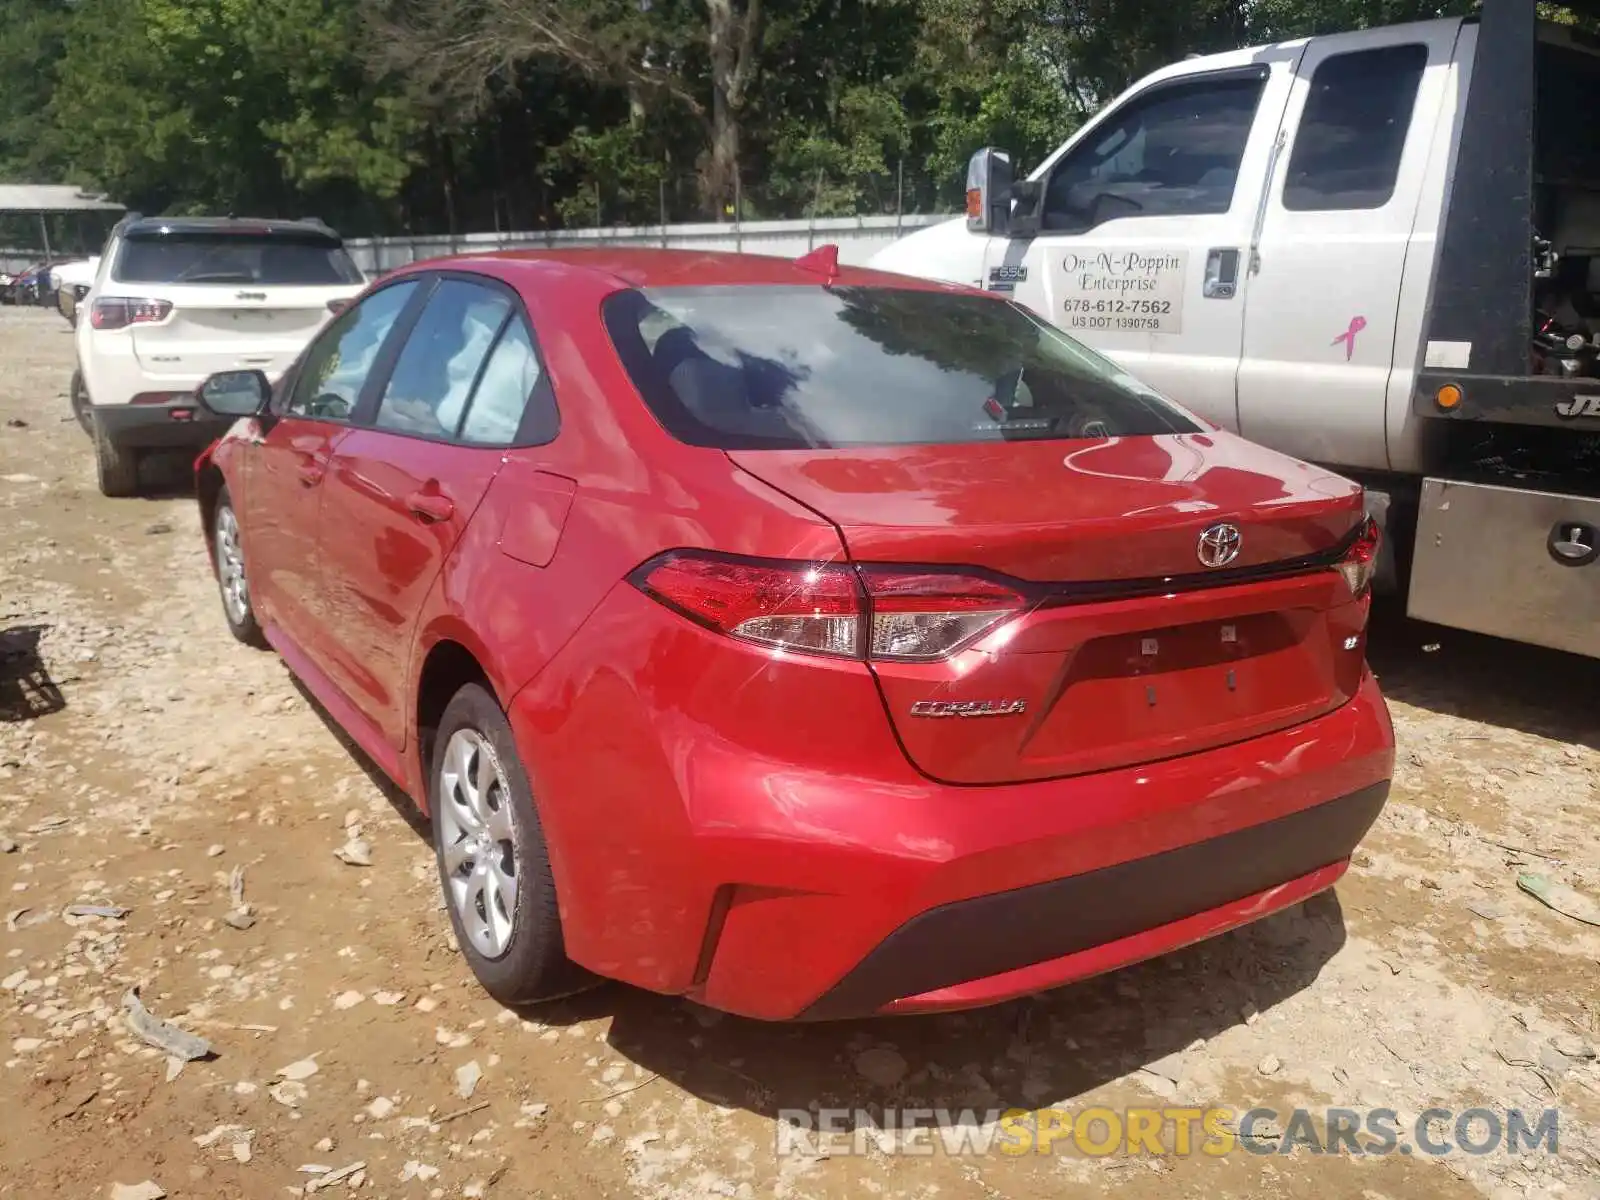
989, 180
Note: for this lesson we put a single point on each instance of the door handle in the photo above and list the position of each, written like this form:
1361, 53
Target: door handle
430, 505
1222, 274
311, 469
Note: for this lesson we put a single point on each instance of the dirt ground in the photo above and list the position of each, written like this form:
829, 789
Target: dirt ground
145, 757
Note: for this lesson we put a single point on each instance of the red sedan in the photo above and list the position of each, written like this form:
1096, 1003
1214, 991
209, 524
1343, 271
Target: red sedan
809, 642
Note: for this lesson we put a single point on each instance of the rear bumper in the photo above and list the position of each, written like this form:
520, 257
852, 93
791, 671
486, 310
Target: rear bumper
178, 424
777, 856
995, 947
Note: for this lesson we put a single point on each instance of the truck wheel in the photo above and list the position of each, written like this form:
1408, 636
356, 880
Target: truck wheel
80, 403
117, 466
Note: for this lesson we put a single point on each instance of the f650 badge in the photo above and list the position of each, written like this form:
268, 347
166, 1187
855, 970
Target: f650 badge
968, 708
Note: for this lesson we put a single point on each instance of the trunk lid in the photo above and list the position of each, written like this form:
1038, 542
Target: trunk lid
1130, 648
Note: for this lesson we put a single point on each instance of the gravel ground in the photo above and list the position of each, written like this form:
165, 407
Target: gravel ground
149, 763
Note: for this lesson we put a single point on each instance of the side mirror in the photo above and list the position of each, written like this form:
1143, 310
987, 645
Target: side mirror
989, 180
235, 394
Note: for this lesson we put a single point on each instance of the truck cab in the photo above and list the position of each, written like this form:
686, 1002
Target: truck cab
1378, 251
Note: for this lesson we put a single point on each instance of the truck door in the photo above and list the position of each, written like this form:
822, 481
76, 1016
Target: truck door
1323, 295
1145, 222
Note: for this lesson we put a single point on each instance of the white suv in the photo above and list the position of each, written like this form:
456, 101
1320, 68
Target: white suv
179, 298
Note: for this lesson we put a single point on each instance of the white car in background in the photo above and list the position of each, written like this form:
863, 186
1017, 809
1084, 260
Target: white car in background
177, 299
70, 282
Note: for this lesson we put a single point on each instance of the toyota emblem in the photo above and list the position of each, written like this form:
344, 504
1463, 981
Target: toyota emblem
1219, 545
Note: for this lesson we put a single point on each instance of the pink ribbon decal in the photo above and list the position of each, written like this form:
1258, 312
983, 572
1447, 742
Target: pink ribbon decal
1348, 337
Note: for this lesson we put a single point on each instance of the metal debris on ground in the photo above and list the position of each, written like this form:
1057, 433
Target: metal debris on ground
1558, 897
163, 1035
114, 912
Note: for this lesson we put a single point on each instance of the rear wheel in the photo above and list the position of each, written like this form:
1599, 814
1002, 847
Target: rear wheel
493, 863
116, 466
232, 581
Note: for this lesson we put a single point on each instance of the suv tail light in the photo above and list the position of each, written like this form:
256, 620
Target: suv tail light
877, 612
1361, 560
118, 312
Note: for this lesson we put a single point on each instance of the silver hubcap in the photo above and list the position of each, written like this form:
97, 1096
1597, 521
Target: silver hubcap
230, 567
480, 862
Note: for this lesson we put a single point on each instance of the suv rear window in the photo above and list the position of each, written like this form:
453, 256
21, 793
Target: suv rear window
235, 258
809, 367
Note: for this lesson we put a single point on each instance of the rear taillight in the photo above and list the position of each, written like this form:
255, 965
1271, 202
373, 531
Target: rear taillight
1361, 560
879, 612
921, 616
118, 312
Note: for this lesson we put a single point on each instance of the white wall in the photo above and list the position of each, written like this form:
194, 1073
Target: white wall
858, 238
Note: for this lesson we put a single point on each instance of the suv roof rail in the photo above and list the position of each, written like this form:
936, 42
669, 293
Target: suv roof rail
317, 222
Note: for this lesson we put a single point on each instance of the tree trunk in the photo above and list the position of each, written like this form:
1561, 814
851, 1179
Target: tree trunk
735, 43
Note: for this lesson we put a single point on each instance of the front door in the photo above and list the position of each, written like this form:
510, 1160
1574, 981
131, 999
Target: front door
1145, 228
291, 461
403, 487
1322, 307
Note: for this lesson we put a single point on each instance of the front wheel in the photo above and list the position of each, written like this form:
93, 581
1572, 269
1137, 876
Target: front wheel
493, 863
234, 584
80, 403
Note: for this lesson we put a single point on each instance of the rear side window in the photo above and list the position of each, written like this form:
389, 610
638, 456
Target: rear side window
504, 391
435, 373
794, 367
235, 258
1353, 131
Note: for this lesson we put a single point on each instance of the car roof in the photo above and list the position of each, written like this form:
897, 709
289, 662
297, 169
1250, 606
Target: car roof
244, 225
638, 267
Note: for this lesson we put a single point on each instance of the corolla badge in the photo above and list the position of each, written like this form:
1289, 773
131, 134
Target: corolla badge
1219, 545
968, 708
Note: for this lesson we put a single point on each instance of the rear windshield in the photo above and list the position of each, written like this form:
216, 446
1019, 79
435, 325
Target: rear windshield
813, 367
234, 258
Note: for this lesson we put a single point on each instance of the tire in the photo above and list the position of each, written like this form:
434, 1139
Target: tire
228, 553
80, 403
116, 466
516, 950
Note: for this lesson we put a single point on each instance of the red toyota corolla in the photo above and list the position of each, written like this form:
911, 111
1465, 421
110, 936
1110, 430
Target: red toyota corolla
810, 642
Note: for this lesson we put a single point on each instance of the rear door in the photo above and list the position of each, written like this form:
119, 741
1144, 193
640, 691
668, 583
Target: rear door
289, 462
1320, 311
402, 488
242, 299
1146, 222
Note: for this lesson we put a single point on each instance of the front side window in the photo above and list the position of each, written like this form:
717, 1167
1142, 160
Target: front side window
1353, 132
337, 365
815, 367
435, 373
1173, 152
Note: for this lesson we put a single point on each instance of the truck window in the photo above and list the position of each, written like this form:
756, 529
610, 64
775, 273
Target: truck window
1175, 151
1347, 151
